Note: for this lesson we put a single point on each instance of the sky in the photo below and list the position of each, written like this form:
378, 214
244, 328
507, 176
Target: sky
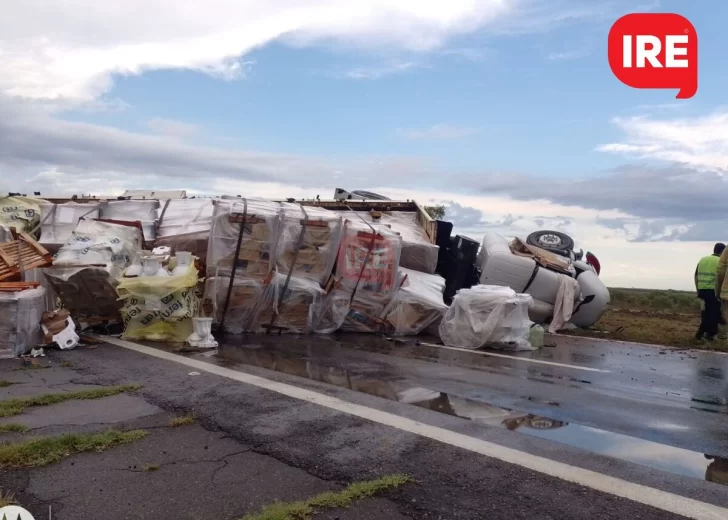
505, 111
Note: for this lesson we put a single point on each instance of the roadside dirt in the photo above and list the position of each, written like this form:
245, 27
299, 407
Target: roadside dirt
671, 329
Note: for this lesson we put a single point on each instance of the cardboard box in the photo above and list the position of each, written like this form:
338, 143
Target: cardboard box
54, 322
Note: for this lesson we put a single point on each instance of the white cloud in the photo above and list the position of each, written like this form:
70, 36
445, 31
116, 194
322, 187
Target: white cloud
378, 72
467, 53
438, 131
568, 55
171, 128
624, 263
700, 142
72, 49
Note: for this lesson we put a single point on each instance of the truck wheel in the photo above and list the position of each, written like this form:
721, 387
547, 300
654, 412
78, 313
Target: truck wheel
551, 241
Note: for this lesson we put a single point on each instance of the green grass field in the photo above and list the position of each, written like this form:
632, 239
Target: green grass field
673, 302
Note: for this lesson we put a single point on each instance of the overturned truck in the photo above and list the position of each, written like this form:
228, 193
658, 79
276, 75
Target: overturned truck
358, 263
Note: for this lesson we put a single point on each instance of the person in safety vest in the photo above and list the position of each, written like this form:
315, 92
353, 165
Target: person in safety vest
706, 275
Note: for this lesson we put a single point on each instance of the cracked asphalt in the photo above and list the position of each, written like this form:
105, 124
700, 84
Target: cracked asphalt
250, 447
202, 473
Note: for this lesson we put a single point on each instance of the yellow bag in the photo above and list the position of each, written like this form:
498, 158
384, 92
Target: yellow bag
171, 321
156, 287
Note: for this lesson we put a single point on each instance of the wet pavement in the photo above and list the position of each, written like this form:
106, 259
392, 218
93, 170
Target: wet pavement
661, 408
316, 404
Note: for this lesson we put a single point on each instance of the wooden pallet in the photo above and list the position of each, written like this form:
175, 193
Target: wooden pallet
21, 254
18, 286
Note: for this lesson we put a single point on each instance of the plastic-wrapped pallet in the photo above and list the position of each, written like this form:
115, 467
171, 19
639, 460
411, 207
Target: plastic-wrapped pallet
366, 279
245, 299
59, 220
289, 307
417, 303
185, 224
20, 315
159, 308
308, 241
487, 315
255, 259
368, 260
85, 270
418, 253
131, 210
22, 213
365, 315
101, 243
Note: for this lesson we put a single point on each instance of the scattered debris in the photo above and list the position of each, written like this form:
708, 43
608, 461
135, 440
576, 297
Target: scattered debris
193, 374
18, 286
58, 328
30, 363
21, 254
201, 336
37, 352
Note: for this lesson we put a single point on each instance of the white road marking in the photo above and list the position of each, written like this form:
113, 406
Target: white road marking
517, 358
656, 498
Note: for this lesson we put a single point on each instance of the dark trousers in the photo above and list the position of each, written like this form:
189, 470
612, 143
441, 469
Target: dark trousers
711, 316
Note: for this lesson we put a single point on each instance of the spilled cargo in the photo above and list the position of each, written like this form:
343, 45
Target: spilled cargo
298, 267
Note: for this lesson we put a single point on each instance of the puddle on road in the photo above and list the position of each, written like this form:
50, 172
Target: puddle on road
647, 453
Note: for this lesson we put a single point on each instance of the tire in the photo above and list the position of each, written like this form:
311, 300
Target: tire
554, 241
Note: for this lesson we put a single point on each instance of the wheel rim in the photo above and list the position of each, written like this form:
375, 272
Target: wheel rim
549, 240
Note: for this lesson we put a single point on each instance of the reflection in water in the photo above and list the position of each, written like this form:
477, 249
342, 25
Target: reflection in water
389, 389
533, 421
653, 454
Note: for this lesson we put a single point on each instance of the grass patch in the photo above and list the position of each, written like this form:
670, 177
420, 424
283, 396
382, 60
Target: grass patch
67, 364
12, 407
13, 428
669, 301
5, 384
6, 499
47, 450
329, 499
182, 420
151, 467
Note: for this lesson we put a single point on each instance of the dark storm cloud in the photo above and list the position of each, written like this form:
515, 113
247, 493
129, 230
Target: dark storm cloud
31, 139
673, 192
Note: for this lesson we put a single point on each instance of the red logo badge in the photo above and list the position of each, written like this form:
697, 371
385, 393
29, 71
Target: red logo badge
655, 50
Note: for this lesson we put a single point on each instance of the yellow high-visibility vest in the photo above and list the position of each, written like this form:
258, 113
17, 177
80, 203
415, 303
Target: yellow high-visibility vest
706, 272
